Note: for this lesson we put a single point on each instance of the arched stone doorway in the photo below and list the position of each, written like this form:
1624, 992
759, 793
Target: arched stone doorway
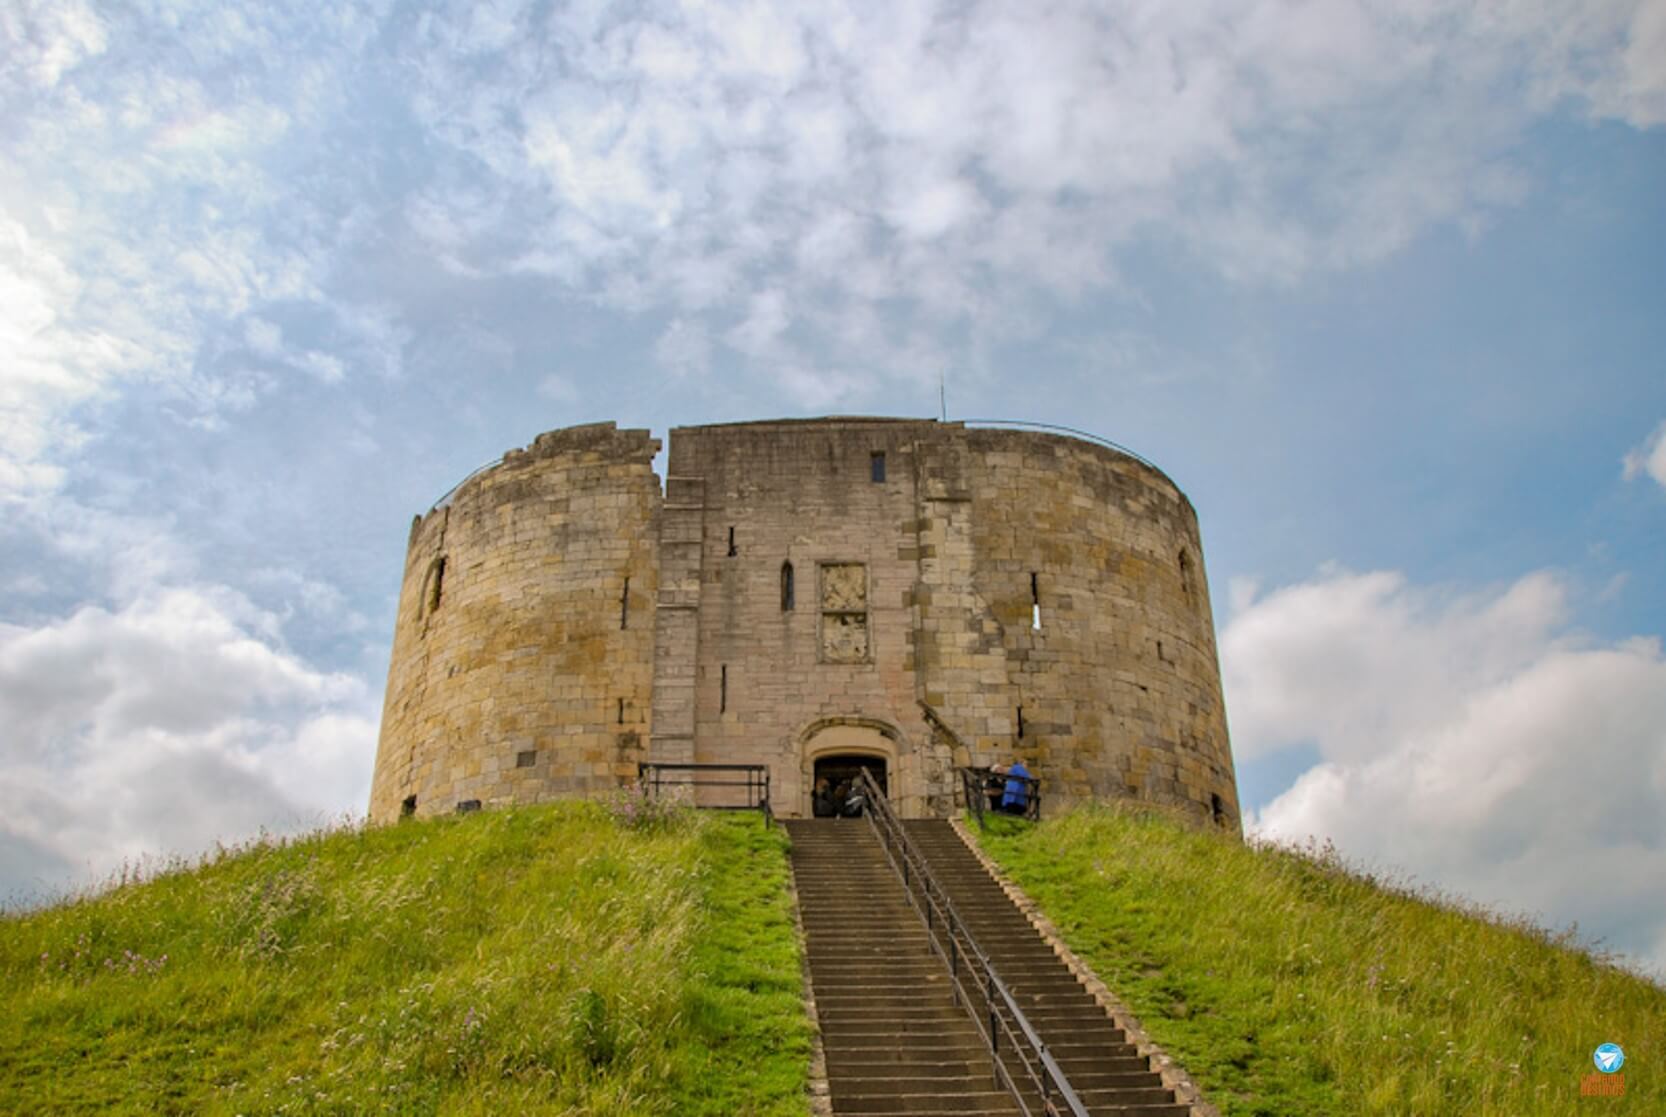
840, 771
839, 746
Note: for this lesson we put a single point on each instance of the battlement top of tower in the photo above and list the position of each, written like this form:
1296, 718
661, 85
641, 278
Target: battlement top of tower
638, 443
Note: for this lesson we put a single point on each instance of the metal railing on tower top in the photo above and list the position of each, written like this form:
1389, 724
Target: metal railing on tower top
975, 985
1089, 436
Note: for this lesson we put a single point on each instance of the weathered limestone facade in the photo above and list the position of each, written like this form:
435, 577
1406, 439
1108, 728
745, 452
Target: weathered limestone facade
919, 592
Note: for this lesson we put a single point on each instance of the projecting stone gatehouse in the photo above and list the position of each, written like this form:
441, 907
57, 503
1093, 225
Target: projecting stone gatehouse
806, 595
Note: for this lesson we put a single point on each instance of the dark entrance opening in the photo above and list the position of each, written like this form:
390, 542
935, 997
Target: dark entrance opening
836, 779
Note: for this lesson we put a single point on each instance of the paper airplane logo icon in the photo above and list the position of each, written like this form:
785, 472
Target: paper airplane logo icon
1609, 1058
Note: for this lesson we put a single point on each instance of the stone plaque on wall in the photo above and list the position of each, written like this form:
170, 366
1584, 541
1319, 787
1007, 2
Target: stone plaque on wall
844, 612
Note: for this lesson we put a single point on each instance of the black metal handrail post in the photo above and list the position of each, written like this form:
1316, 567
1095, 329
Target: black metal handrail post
938, 913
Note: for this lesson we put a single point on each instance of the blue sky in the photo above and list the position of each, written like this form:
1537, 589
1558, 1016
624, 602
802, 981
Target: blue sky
1381, 286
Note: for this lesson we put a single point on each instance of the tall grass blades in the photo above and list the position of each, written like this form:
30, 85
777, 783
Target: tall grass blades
1291, 984
543, 960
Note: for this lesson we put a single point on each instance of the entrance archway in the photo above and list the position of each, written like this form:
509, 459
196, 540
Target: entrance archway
836, 749
840, 770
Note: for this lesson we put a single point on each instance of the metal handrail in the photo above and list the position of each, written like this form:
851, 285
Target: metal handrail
472, 474
987, 994
651, 776
976, 783
1072, 431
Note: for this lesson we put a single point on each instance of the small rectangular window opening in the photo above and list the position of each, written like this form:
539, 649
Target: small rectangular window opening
625, 605
468, 806
1035, 601
732, 551
526, 758
408, 807
723, 689
876, 466
1217, 807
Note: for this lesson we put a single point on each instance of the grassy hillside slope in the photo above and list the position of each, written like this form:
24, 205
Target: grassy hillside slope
543, 960
1290, 986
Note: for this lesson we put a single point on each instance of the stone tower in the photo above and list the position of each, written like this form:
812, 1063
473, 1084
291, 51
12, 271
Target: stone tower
918, 594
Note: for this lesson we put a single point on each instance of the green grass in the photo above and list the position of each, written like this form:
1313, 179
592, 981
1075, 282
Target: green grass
1289, 985
539, 960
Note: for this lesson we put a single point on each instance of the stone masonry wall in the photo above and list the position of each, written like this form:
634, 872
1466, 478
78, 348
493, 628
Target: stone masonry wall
1119, 686
770, 682
910, 633
528, 673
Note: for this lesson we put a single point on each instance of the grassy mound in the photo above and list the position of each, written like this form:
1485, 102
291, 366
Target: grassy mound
541, 960
1289, 985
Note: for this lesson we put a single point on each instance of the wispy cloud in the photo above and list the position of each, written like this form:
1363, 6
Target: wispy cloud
163, 726
871, 174
1471, 739
1648, 459
947, 161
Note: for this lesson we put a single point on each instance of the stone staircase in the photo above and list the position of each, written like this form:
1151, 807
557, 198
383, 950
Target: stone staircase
894, 1040
1103, 1067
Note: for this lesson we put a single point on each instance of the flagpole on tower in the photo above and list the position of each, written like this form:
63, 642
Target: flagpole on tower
942, 395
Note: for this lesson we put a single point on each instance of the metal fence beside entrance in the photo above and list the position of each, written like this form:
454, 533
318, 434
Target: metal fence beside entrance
717, 787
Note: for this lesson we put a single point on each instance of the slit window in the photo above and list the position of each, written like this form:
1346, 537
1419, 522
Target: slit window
625, 605
723, 689
786, 587
436, 583
876, 466
1020, 723
1187, 584
1035, 601
732, 551
621, 711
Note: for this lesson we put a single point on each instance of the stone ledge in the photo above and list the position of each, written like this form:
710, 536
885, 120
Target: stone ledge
821, 1093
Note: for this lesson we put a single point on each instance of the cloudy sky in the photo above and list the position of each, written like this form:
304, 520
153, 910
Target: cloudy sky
1381, 285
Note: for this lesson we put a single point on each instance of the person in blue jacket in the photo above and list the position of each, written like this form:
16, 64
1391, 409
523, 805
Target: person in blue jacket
1016, 799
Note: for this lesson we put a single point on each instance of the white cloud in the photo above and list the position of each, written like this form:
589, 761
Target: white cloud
1469, 739
952, 161
948, 167
40, 41
1649, 459
148, 206
161, 727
